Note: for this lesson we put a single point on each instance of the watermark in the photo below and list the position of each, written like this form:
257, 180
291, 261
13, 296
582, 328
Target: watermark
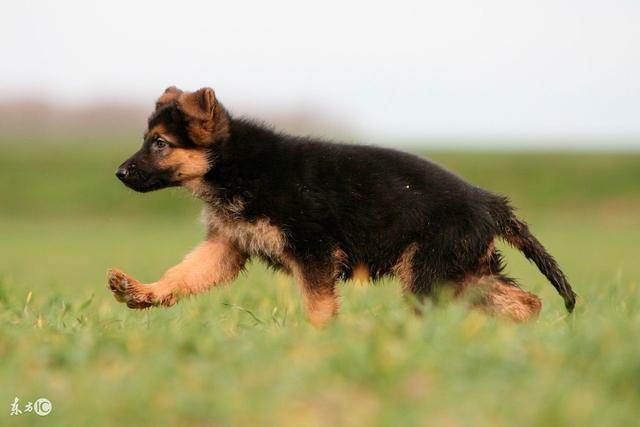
41, 407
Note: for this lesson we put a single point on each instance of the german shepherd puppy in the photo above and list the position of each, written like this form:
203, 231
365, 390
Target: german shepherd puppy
323, 212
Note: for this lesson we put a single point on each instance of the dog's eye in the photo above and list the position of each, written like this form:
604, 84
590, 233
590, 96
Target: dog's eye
160, 144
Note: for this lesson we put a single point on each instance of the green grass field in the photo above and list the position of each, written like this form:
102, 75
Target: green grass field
243, 355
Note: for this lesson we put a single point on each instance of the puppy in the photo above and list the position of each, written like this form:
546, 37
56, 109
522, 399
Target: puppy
324, 212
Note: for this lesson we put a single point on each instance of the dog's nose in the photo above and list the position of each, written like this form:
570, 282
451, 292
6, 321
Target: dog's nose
122, 173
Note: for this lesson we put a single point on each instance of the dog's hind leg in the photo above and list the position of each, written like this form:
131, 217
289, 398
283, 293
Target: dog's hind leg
417, 277
499, 295
488, 289
213, 262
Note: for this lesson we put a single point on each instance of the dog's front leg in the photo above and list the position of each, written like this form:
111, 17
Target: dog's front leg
213, 262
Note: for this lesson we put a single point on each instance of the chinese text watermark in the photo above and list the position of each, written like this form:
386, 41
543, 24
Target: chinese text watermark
41, 406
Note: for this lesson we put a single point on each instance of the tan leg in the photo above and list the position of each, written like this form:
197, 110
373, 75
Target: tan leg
321, 306
318, 289
213, 262
495, 295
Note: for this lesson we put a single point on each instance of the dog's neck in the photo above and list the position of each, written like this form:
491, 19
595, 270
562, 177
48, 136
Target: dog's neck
199, 188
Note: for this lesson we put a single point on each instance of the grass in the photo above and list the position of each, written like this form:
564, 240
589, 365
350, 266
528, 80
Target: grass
243, 355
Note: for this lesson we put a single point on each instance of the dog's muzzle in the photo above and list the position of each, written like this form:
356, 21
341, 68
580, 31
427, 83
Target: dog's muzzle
128, 172
140, 180
122, 173
131, 176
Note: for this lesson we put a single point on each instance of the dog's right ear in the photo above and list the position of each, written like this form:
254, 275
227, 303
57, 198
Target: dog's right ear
170, 94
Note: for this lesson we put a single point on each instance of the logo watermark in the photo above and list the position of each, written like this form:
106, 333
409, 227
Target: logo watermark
41, 407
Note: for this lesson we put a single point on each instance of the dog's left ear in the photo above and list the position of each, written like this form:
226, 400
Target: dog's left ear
207, 120
198, 105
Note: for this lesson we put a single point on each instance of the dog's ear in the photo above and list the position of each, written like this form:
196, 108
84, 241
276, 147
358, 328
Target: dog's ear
207, 120
198, 105
170, 94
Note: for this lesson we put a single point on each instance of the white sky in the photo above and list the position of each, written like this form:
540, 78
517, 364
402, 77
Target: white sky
402, 69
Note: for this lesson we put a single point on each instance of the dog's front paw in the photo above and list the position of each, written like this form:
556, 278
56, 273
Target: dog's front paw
128, 290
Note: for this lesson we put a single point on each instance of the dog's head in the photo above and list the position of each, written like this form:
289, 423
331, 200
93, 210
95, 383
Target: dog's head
178, 142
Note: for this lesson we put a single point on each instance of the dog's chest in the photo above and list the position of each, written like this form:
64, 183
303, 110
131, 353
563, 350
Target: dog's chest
258, 237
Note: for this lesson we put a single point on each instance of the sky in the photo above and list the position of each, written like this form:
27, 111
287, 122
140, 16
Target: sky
540, 70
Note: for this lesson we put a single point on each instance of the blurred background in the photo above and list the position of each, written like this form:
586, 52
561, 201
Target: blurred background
462, 73
538, 100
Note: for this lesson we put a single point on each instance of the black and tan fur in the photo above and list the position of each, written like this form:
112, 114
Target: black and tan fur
324, 212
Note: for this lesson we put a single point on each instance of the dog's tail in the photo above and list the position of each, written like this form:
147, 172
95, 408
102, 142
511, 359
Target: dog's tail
517, 234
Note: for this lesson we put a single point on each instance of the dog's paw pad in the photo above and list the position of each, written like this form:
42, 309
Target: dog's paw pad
118, 281
139, 303
136, 295
126, 289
